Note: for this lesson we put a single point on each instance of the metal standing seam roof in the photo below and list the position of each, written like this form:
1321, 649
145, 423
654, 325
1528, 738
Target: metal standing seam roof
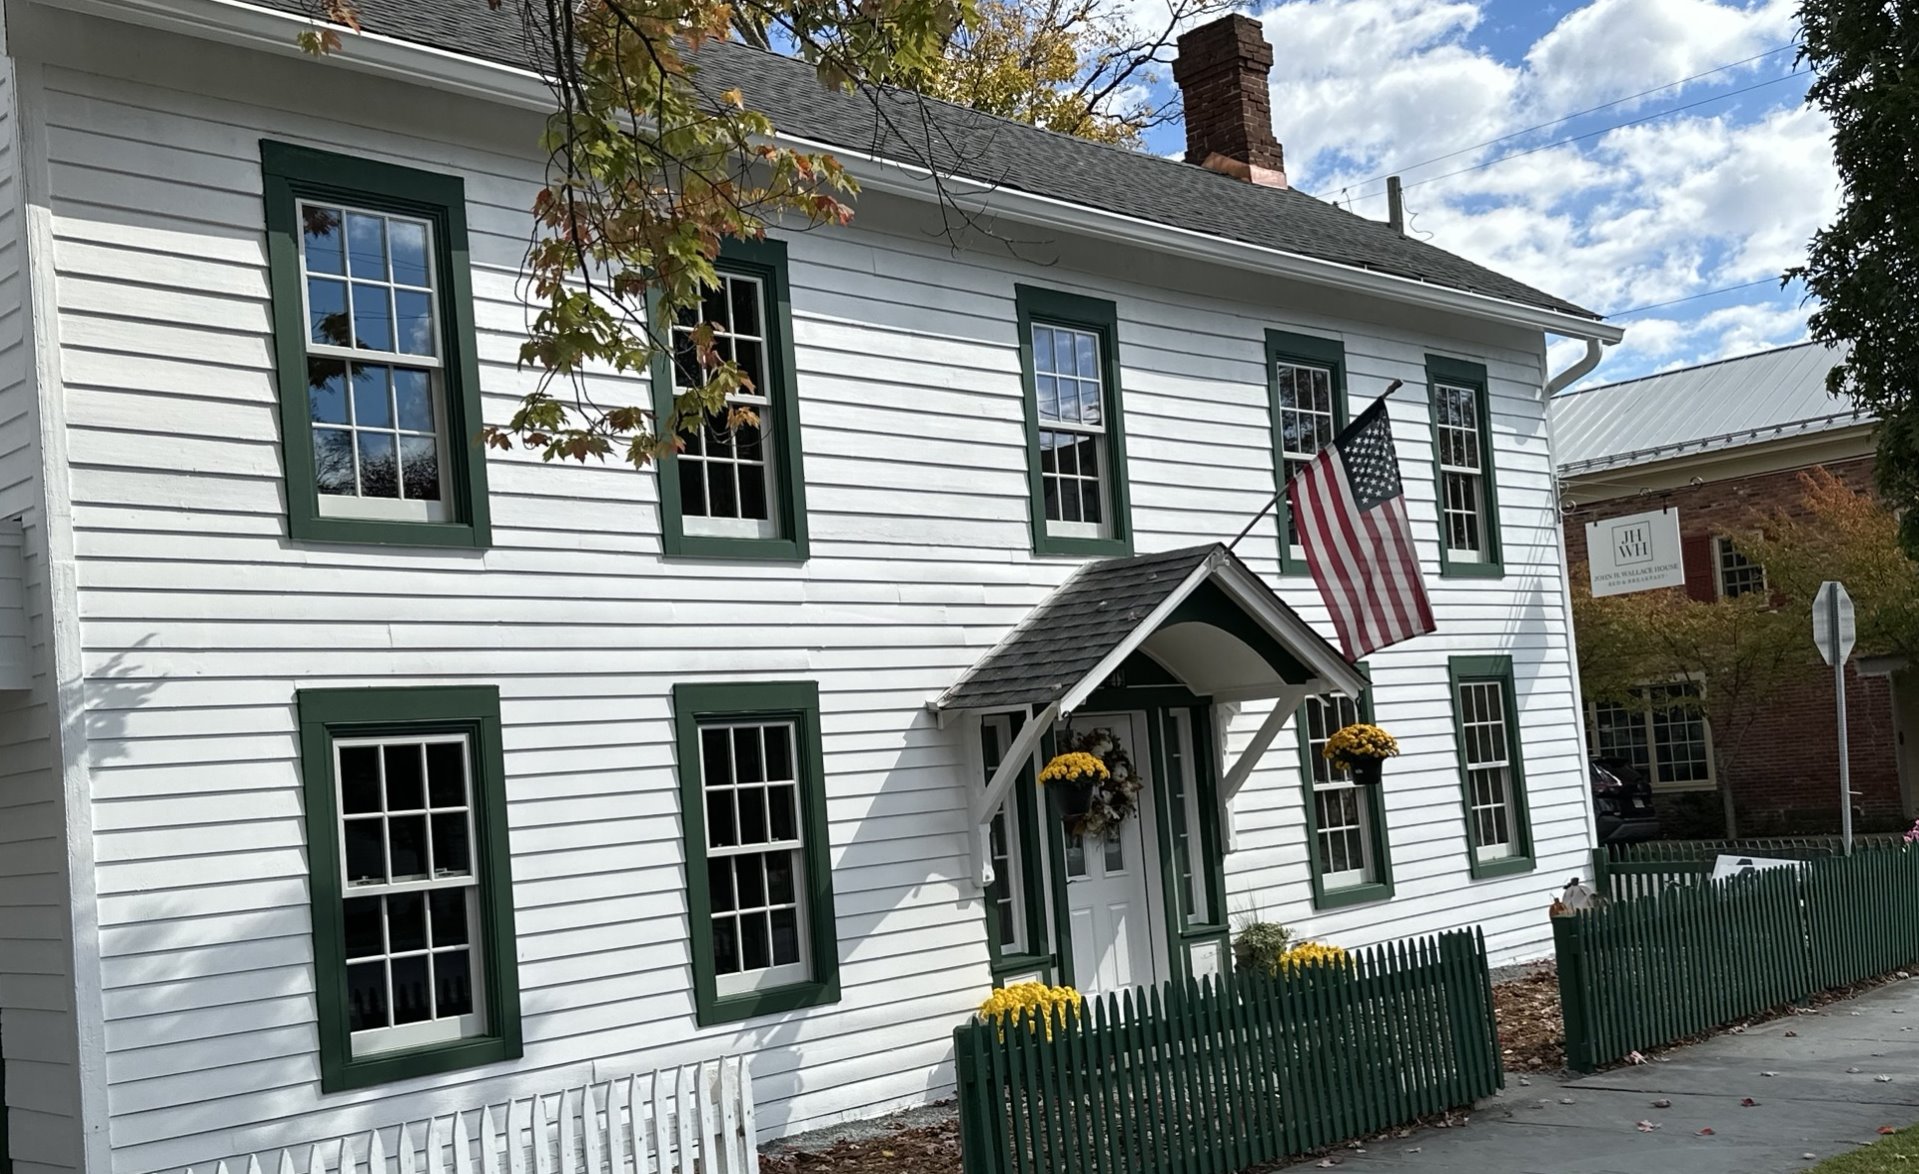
992, 150
1750, 399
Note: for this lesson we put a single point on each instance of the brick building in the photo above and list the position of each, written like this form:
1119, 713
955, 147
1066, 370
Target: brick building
1720, 443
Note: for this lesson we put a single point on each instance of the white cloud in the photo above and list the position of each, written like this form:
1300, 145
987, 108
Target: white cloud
1631, 217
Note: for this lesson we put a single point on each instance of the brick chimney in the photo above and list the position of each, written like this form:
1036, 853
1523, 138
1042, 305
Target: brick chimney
1221, 70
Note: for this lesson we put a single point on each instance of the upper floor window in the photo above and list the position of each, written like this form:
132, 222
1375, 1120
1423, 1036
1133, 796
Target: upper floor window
1492, 770
736, 487
412, 907
1738, 575
1076, 441
759, 877
1469, 540
1306, 379
374, 335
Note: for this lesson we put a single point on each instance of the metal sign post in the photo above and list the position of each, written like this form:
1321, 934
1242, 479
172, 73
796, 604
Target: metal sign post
1835, 631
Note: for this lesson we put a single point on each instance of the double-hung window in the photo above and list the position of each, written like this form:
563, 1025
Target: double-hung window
759, 875
738, 491
411, 890
1469, 539
1076, 442
1491, 766
1737, 574
1347, 845
1661, 732
1015, 906
1306, 381
373, 332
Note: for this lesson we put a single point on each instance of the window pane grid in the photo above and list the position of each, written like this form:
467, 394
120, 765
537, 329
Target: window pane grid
1482, 710
368, 284
726, 473
1341, 813
749, 778
1738, 575
1306, 420
1069, 385
1462, 475
412, 900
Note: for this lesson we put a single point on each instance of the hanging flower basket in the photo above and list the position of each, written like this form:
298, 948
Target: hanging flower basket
1362, 749
1092, 783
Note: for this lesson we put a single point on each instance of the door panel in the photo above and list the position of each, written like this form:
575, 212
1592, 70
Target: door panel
1109, 883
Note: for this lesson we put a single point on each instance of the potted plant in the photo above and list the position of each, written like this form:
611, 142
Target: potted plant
1093, 783
1069, 780
1363, 749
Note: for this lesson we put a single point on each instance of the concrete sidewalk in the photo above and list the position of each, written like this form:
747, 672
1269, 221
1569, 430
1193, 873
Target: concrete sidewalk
1808, 1103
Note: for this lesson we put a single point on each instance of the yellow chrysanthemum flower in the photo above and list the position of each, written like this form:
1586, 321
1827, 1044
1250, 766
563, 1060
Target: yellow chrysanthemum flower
1024, 1002
1306, 954
1072, 767
1361, 740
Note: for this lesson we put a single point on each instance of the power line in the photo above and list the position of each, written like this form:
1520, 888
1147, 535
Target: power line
1580, 113
1606, 129
1693, 297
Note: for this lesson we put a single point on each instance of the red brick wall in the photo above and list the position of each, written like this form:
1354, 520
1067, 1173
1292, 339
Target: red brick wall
1786, 776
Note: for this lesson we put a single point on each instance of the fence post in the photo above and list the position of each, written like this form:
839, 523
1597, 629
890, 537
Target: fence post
1569, 949
1602, 872
976, 1132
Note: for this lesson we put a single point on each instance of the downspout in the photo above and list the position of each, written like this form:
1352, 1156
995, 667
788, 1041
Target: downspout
1579, 370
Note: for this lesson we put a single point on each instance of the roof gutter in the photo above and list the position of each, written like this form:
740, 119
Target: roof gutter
272, 31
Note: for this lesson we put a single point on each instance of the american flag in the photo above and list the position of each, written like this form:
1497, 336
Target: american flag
1350, 509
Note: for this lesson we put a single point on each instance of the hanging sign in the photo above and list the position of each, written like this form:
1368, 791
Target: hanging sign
1635, 553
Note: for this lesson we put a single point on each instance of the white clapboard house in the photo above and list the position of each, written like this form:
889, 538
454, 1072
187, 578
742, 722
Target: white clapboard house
350, 776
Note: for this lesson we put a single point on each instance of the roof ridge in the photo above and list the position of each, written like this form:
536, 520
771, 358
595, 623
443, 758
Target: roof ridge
1692, 367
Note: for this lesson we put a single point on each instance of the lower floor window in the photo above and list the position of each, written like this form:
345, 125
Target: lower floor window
1660, 732
1492, 772
761, 924
411, 892
1345, 822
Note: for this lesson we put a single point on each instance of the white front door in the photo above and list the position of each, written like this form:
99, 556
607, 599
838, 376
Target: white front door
1111, 881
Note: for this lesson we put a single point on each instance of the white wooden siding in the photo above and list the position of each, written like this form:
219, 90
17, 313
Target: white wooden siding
38, 1044
201, 620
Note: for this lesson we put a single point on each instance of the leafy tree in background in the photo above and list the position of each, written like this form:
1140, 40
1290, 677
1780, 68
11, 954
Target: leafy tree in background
1863, 268
1739, 652
1079, 67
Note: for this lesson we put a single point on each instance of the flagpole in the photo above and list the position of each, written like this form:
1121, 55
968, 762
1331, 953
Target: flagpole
1395, 385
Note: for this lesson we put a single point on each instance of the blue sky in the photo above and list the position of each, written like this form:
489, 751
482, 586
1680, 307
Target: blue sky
1722, 194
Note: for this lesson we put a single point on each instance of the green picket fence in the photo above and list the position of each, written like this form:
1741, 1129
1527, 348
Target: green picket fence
1648, 971
1214, 1076
1624, 872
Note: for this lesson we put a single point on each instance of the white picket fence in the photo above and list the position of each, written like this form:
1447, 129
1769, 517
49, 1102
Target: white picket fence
697, 1119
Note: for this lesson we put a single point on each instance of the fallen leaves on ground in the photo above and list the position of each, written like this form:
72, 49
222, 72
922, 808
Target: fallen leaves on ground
1532, 1037
926, 1149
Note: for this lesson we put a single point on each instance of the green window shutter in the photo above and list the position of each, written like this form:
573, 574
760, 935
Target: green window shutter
763, 263
399, 717
1296, 413
1486, 726
1044, 308
291, 175
718, 914
1379, 886
1454, 561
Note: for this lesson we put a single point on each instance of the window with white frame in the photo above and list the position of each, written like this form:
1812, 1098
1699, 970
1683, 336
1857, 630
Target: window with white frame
375, 381
1069, 385
1462, 472
1007, 895
1738, 575
749, 774
1662, 734
1189, 852
727, 478
1489, 769
1342, 811
410, 910
1307, 421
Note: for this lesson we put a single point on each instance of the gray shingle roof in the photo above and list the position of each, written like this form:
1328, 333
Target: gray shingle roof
1749, 399
993, 150
1072, 630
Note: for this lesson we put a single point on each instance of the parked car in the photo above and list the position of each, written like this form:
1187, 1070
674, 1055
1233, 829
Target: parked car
1622, 802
